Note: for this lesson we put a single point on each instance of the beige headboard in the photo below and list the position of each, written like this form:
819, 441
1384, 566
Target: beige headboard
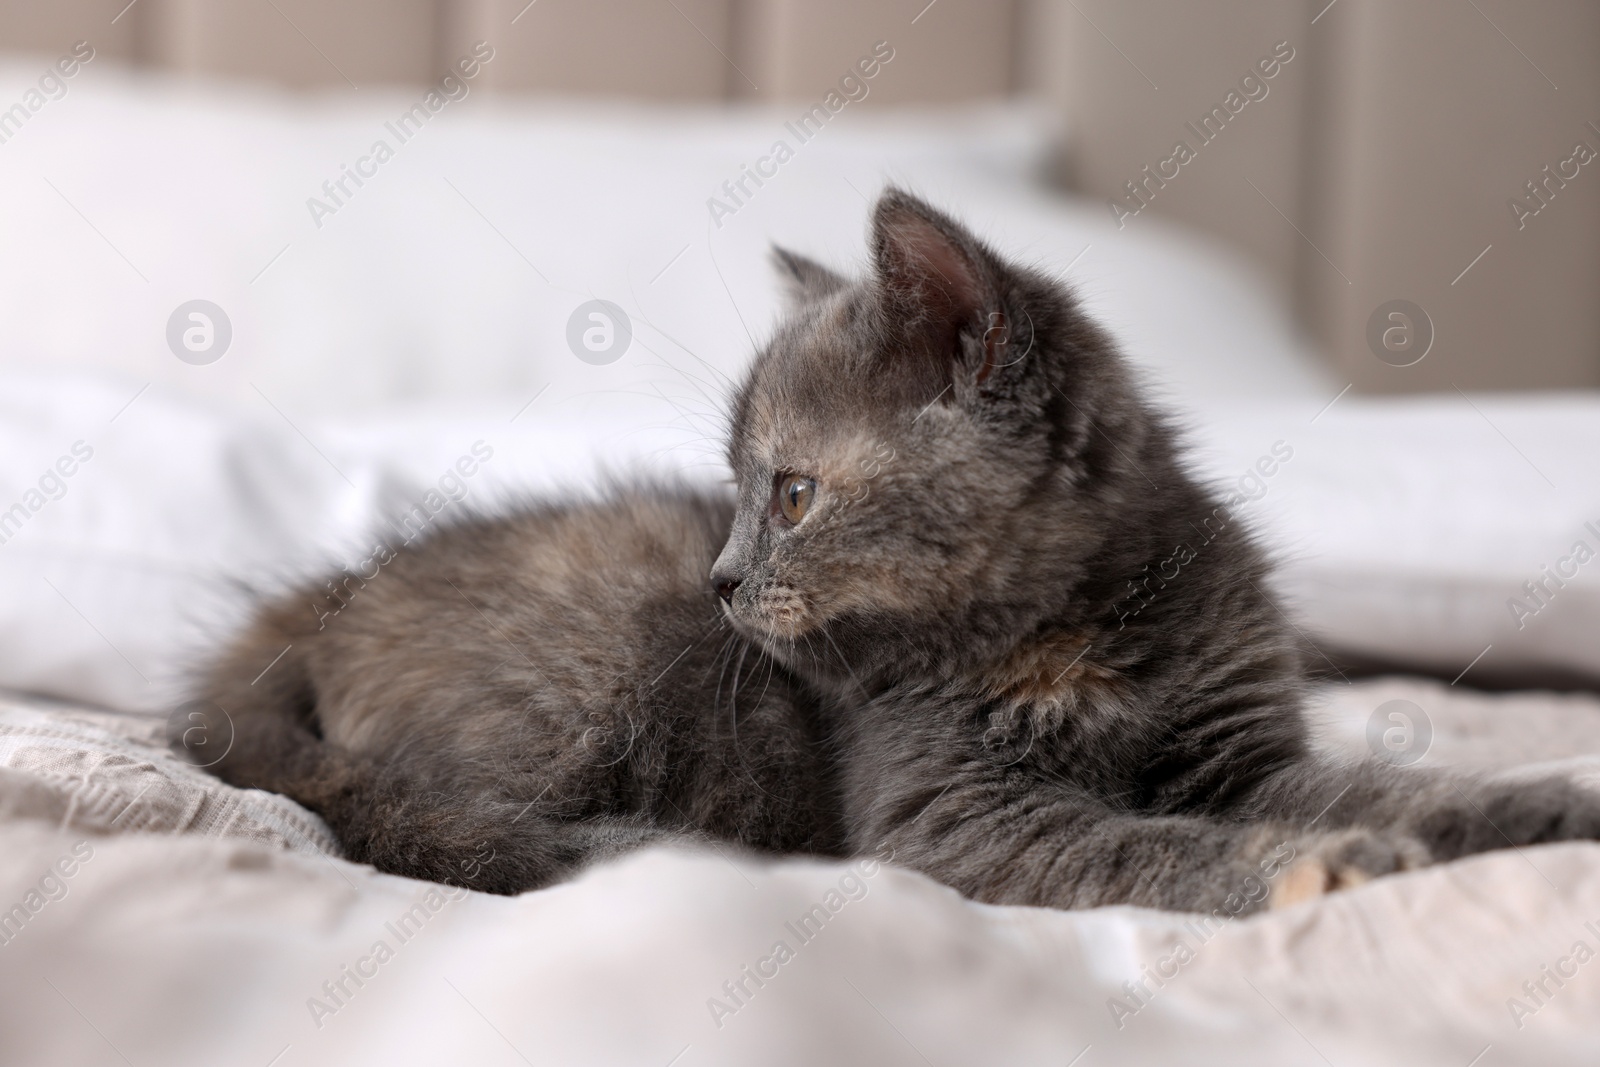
672, 49
1381, 159
1381, 164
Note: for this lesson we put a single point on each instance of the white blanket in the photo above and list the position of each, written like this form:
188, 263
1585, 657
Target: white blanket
168, 919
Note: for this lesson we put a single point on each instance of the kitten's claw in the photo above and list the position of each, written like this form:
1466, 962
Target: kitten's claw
1330, 862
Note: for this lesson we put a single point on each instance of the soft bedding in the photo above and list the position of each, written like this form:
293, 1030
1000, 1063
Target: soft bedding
165, 918
1405, 528
371, 351
134, 883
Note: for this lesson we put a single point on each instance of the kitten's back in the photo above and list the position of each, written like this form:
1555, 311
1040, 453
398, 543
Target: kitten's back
557, 682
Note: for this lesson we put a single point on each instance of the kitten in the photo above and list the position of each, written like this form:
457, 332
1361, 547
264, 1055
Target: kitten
947, 484
512, 698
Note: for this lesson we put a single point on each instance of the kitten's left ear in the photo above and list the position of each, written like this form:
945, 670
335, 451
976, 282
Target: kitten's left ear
805, 281
938, 286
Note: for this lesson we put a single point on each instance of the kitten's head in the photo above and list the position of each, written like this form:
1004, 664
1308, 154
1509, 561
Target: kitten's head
926, 458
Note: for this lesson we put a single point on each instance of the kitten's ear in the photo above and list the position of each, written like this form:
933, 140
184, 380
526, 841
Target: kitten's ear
937, 283
805, 281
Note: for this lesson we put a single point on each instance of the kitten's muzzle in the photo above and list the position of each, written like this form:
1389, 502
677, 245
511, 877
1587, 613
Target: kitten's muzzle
724, 586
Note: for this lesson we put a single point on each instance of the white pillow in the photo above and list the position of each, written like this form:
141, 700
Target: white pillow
370, 354
1411, 530
1405, 526
115, 580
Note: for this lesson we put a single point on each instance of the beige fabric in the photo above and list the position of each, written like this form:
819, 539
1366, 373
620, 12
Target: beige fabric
213, 944
647, 49
96, 772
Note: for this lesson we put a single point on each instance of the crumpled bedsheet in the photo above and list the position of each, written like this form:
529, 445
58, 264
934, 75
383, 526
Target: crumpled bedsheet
151, 915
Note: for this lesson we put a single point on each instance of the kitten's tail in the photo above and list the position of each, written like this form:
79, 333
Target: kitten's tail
380, 813
258, 703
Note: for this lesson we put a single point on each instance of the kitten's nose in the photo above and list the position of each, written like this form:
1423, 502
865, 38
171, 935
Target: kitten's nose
725, 587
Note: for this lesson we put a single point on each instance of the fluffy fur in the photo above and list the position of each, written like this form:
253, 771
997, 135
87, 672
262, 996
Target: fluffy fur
937, 661
990, 486
513, 698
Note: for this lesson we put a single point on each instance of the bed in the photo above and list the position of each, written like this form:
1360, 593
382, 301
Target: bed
166, 918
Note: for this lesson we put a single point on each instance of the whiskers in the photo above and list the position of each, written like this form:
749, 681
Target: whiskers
733, 653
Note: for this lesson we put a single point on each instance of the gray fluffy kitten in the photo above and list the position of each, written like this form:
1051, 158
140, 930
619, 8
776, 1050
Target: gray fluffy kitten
948, 484
512, 698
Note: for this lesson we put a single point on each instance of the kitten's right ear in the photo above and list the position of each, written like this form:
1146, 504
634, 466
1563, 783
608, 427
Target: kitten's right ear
805, 281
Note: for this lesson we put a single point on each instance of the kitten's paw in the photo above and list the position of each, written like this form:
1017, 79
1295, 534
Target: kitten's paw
1330, 862
1502, 815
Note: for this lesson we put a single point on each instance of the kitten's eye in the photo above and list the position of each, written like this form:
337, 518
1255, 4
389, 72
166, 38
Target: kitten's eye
794, 496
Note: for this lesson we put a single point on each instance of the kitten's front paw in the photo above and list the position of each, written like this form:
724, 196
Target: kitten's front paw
1481, 818
1345, 859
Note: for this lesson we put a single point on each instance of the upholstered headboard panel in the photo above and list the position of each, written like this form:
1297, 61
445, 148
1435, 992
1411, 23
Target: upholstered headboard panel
682, 49
1384, 162
1360, 152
